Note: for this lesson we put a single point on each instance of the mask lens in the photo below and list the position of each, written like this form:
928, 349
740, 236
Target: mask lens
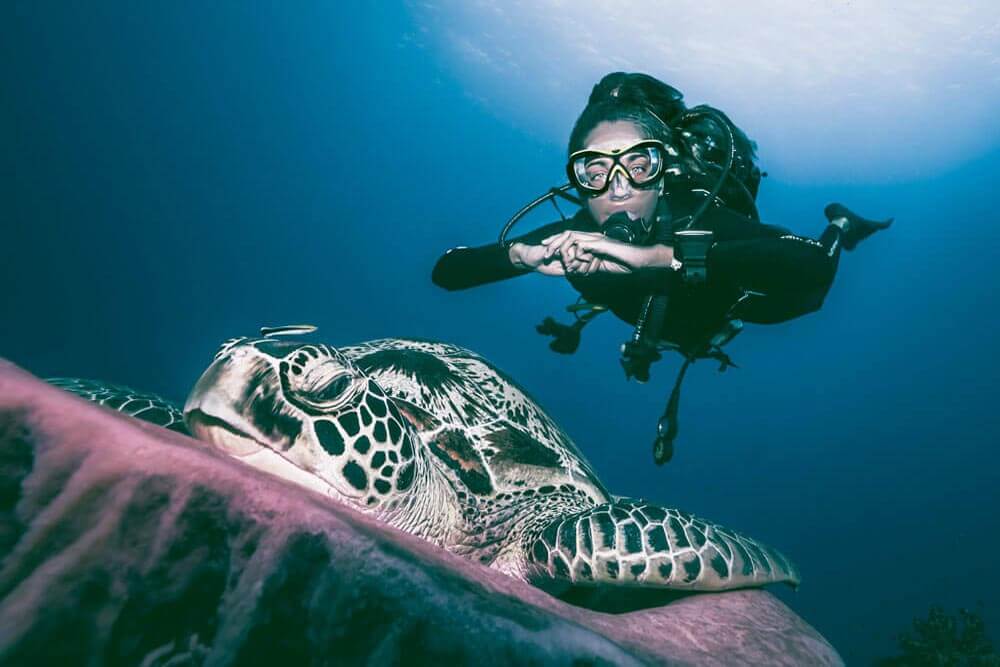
642, 163
592, 172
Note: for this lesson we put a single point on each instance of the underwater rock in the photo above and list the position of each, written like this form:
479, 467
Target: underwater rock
124, 543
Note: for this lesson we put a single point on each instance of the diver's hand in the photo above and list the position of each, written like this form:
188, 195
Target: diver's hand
576, 251
534, 257
588, 252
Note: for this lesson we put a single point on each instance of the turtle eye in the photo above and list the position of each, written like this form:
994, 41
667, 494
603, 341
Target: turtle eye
333, 390
318, 382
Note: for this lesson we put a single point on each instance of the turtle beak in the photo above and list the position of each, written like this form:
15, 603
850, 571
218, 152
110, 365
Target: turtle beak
212, 412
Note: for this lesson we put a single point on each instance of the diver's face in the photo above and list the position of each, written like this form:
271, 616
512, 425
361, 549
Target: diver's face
621, 195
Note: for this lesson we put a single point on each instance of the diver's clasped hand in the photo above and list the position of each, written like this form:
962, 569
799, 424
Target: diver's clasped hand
534, 257
584, 253
552, 260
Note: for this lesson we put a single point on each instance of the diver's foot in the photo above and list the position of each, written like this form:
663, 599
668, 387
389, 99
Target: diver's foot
854, 228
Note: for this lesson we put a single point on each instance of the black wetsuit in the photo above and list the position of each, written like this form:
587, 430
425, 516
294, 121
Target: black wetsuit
785, 274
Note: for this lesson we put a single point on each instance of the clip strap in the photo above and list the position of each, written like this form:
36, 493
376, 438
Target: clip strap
692, 247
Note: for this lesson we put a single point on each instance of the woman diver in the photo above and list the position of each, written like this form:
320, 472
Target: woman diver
667, 237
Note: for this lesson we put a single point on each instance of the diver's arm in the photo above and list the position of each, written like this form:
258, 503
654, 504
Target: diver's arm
793, 272
462, 268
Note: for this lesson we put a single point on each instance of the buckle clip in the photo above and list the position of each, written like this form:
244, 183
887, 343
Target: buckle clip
692, 247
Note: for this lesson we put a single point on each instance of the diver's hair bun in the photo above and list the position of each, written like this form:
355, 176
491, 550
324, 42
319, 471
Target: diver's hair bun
640, 90
639, 98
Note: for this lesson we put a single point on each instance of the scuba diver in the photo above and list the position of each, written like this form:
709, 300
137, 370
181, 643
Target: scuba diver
667, 237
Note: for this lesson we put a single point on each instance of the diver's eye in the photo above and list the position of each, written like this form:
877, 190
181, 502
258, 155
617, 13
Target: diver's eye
597, 174
638, 160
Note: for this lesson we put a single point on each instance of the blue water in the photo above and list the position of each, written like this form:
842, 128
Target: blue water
174, 177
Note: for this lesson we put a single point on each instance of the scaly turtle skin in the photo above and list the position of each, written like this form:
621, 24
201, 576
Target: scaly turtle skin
434, 440
144, 406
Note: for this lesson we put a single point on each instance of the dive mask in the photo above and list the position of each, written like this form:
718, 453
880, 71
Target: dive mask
642, 164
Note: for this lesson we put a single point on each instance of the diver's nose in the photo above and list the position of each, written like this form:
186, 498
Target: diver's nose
620, 187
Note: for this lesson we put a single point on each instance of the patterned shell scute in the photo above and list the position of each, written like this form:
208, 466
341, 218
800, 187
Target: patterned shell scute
481, 418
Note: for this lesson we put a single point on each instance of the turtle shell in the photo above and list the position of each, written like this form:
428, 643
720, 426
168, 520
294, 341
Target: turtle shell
488, 431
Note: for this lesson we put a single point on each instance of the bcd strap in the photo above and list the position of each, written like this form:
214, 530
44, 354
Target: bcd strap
640, 351
668, 425
692, 250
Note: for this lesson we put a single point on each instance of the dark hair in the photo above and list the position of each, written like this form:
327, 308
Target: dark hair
659, 110
646, 101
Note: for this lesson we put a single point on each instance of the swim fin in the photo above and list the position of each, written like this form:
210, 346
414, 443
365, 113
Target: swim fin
857, 228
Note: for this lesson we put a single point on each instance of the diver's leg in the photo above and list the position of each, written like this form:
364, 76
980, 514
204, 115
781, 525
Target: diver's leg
853, 229
832, 239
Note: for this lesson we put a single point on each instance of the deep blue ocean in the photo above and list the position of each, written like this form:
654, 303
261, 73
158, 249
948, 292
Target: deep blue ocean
174, 177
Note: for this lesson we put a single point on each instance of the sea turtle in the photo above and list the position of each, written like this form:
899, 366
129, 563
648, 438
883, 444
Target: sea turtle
434, 440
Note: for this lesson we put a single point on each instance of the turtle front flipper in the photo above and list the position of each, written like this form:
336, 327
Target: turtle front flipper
635, 543
141, 405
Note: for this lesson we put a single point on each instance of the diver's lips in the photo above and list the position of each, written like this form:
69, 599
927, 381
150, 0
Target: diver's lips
622, 208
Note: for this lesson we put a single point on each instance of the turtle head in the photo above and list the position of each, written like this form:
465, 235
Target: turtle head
305, 412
